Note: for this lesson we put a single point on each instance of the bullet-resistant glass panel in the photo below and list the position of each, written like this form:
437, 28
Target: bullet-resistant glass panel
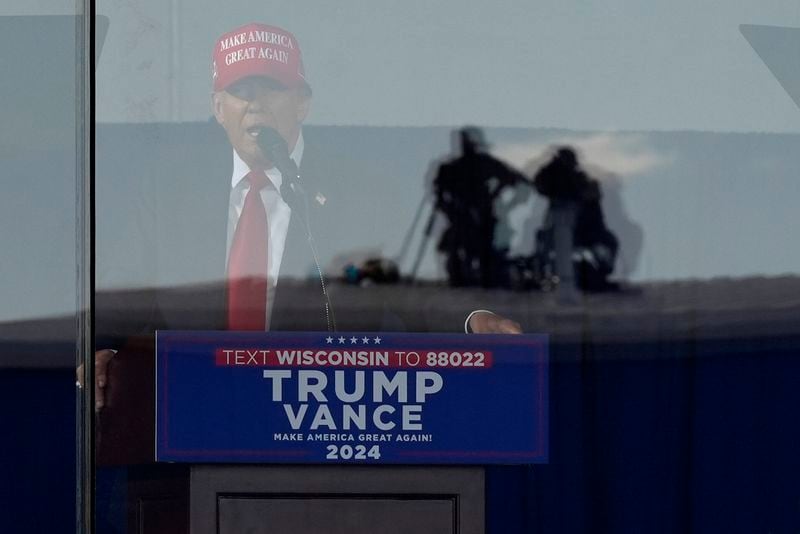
44, 322
617, 176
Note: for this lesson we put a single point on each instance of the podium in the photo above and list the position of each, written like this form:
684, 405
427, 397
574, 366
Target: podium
212, 496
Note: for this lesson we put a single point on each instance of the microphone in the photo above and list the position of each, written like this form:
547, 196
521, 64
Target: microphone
275, 148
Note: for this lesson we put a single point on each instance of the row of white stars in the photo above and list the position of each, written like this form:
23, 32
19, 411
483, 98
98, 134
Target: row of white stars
353, 340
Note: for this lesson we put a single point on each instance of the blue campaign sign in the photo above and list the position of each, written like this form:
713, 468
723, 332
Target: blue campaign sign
351, 398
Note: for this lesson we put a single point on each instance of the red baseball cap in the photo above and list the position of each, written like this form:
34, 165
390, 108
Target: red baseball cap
257, 50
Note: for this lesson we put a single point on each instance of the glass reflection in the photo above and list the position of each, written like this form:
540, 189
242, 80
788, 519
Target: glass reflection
41, 214
686, 203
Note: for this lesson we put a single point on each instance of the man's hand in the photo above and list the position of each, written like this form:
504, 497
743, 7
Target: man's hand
101, 359
486, 322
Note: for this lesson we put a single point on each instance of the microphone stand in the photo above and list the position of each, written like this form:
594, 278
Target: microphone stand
276, 149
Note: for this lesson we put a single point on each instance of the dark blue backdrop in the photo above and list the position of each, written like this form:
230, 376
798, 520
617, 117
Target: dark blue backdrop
672, 437
658, 438
37, 451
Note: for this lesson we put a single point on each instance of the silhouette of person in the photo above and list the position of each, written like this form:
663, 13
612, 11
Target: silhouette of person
594, 246
466, 188
628, 231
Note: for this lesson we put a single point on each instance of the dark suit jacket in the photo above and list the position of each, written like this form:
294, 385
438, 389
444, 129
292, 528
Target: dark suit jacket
173, 235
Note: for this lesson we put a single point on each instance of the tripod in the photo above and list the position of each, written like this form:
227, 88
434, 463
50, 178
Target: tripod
425, 237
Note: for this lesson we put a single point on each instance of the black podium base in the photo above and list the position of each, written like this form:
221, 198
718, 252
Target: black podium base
224, 499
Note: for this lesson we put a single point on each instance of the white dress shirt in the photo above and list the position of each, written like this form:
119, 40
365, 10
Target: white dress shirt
278, 214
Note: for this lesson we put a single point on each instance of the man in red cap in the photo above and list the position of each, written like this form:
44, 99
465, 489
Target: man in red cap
259, 83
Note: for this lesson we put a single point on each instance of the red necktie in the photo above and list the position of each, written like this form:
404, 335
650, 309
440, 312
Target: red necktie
247, 262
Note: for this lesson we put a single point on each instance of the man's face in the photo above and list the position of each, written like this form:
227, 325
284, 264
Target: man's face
257, 102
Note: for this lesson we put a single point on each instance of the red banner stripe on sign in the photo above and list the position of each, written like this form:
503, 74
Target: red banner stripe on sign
350, 358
